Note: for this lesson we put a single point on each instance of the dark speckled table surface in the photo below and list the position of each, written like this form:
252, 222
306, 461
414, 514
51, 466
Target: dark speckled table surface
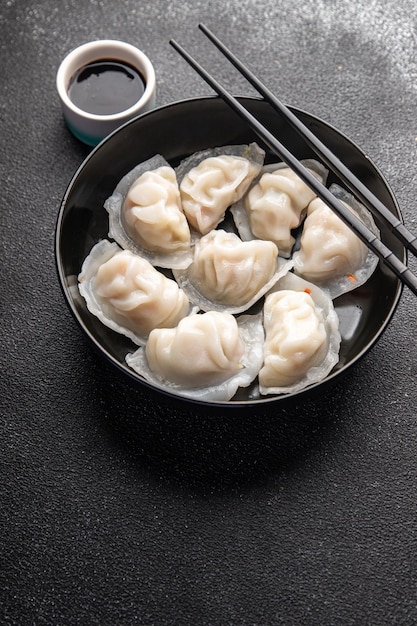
114, 514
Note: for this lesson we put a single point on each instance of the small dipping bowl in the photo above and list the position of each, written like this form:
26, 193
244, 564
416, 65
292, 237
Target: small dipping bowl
92, 127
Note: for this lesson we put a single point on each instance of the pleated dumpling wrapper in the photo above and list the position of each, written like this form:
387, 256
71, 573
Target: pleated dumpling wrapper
275, 204
207, 357
302, 338
230, 275
212, 180
146, 216
127, 294
330, 253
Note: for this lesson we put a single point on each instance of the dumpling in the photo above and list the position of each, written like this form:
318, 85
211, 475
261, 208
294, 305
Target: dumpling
146, 216
302, 338
206, 347
210, 181
207, 356
152, 212
128, 294
275, 205
330, 253
228, 274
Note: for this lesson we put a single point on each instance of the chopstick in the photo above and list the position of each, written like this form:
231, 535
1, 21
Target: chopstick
360, 190
365, 234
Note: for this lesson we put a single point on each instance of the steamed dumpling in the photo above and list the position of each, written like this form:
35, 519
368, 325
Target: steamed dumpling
295, 338
230, 274
329, 248
207, 356
128, 294
210, 184
302, 337
206, 347
146, 216
229, 270
276, 203
330, 253
152, 212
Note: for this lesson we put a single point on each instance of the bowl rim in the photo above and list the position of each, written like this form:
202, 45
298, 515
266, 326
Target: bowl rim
260, 402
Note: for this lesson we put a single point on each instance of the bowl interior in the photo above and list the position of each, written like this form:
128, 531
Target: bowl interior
175, 131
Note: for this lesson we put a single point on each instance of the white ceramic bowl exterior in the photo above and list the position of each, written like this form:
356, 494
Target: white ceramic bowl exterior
88, 127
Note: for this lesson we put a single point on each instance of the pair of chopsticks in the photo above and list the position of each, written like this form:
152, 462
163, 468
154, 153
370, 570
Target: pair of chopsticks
332, 162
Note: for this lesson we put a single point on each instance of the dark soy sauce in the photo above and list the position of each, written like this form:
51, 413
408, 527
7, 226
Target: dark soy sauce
106, 87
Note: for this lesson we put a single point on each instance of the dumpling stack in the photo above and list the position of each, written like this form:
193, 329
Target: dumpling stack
223, 271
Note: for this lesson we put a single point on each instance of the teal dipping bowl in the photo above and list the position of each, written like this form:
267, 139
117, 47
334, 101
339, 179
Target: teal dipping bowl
91, 127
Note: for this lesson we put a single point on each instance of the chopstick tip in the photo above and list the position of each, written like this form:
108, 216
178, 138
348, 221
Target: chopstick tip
205, 30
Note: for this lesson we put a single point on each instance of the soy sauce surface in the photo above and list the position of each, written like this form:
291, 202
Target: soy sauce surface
106, 87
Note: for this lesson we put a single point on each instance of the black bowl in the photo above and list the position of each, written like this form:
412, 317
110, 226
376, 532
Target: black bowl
175, 131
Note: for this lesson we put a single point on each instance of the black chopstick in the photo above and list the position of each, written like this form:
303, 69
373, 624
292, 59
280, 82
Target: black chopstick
366, 235
356, 186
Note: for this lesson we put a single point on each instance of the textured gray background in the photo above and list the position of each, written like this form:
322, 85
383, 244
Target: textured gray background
112, 514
